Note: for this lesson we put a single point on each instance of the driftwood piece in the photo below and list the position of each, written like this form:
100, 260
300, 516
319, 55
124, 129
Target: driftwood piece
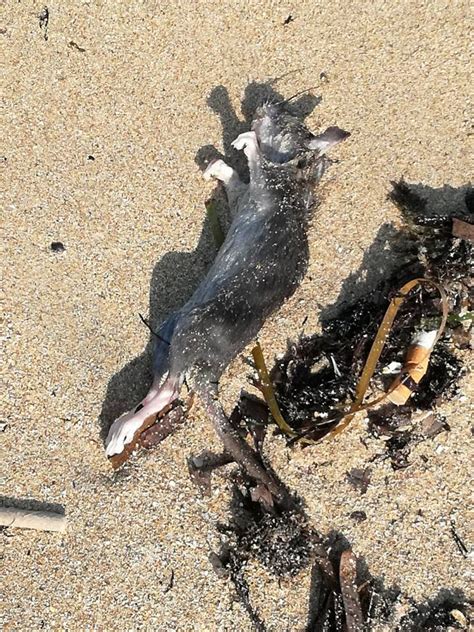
29, 519
464, 230
350, 594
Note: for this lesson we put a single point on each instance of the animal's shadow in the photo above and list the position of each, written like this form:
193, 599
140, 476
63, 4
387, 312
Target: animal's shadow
173, 280
177, 274
376, 272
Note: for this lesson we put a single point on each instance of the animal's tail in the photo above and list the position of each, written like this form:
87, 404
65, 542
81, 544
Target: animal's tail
240, 450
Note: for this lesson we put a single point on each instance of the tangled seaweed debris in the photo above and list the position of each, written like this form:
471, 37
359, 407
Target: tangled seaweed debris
402, 429
281, 540
316, 378
449, 611
344, 596
314, 382
285, 544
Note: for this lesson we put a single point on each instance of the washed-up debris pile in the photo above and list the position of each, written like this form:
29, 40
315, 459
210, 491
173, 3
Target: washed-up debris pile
315, 380
314, 384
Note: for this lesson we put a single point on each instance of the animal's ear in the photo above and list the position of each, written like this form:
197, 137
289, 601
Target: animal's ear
327, 139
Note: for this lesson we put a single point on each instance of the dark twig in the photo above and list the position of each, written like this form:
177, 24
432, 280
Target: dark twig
350, 595
242, 589
170, 583
43, 18
148, 326
458, 540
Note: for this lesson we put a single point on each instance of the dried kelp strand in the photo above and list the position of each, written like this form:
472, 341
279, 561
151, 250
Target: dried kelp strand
377, 347
216, 230
268, 392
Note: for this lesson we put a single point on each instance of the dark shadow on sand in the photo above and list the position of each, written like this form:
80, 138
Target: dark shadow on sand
393, 249
31, 504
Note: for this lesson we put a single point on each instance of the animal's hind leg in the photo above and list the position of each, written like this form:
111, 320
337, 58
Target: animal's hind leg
123, 429
220, 170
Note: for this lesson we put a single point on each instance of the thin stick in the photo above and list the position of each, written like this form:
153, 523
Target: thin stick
148, 326
29, 519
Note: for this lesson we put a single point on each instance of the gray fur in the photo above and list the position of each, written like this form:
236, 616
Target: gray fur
260, 264
264, 256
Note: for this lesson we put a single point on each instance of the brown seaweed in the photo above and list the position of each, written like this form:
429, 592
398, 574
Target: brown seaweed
316, 379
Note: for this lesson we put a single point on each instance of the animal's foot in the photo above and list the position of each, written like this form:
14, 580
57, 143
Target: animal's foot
219, 170
248, 142
230, 179
121, 432
163, 428
124, 428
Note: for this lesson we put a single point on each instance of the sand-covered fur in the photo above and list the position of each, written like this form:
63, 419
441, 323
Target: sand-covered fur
104, 122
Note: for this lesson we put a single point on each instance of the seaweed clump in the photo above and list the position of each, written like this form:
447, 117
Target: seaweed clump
282, 541
447, 612
315, 380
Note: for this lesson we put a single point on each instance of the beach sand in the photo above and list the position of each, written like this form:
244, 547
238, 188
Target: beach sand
108, 107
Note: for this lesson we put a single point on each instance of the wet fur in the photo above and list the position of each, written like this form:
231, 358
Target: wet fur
260, 264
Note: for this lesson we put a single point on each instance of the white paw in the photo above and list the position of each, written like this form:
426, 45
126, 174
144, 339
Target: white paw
247, 139
121, 432
218, 169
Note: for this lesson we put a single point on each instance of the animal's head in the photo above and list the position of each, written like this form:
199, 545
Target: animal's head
284, 138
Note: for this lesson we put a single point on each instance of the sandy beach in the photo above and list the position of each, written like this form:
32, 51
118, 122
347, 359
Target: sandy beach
110, 111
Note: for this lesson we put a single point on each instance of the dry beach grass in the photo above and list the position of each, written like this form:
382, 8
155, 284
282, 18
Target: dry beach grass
106, 113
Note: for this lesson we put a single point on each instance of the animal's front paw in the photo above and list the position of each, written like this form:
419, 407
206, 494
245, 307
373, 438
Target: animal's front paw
121, 432
218, 169
247, 140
